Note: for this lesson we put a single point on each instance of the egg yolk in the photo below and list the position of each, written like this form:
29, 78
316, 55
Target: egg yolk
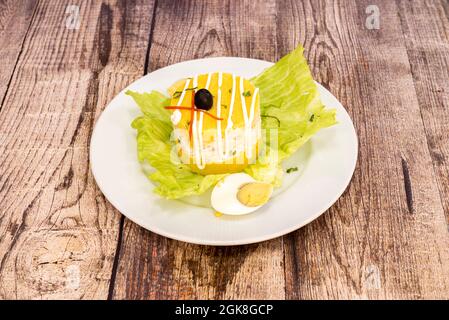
254, 194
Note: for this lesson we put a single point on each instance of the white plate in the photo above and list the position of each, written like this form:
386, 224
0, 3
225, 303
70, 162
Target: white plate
327, 163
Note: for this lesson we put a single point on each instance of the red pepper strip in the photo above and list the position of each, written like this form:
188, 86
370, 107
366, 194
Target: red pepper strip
193, 109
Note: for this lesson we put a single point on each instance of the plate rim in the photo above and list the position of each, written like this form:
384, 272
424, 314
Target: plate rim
237, 242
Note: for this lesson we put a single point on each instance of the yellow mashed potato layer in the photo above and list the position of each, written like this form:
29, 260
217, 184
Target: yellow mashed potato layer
232, 154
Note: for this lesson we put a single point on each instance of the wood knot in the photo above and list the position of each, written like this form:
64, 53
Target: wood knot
53, 263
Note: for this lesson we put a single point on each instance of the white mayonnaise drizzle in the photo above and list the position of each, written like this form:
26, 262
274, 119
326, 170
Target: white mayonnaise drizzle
245, 113
231, 111
248, 147
197, 131
248, 129
176, 117
219, 137
209, 78
253, 104
200, 144
183, 93
197, 124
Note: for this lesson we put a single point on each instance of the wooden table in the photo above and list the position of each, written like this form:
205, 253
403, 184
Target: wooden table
63, 61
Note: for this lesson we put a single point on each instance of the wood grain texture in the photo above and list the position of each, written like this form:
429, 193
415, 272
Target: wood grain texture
151, 266
58, 233
386, 237
427, 43
15, 19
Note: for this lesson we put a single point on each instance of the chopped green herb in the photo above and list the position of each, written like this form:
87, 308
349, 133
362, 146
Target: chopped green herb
293, 169
224, 106
312, 117
234, 152
177, 94
230, 91
272, 117
246, 94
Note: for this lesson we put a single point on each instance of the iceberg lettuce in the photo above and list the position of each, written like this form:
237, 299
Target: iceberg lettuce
289, 103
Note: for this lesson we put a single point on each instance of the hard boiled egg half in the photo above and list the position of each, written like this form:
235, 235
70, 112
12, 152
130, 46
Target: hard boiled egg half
239, 193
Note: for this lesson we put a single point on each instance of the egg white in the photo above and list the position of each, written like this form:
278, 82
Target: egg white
224, 195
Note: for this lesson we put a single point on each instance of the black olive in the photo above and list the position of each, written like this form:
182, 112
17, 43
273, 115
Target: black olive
203, 99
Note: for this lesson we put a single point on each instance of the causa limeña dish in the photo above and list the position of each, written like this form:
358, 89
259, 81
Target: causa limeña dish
219, 131
216, 117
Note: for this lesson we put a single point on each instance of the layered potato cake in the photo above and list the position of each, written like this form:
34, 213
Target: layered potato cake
217, 123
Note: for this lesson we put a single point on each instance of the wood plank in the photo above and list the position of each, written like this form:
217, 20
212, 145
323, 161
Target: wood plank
59, 234
387, 236
15, 20
426, 32
168, 269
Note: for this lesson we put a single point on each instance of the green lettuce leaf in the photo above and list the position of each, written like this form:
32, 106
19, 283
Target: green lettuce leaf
173, 179
290, 104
